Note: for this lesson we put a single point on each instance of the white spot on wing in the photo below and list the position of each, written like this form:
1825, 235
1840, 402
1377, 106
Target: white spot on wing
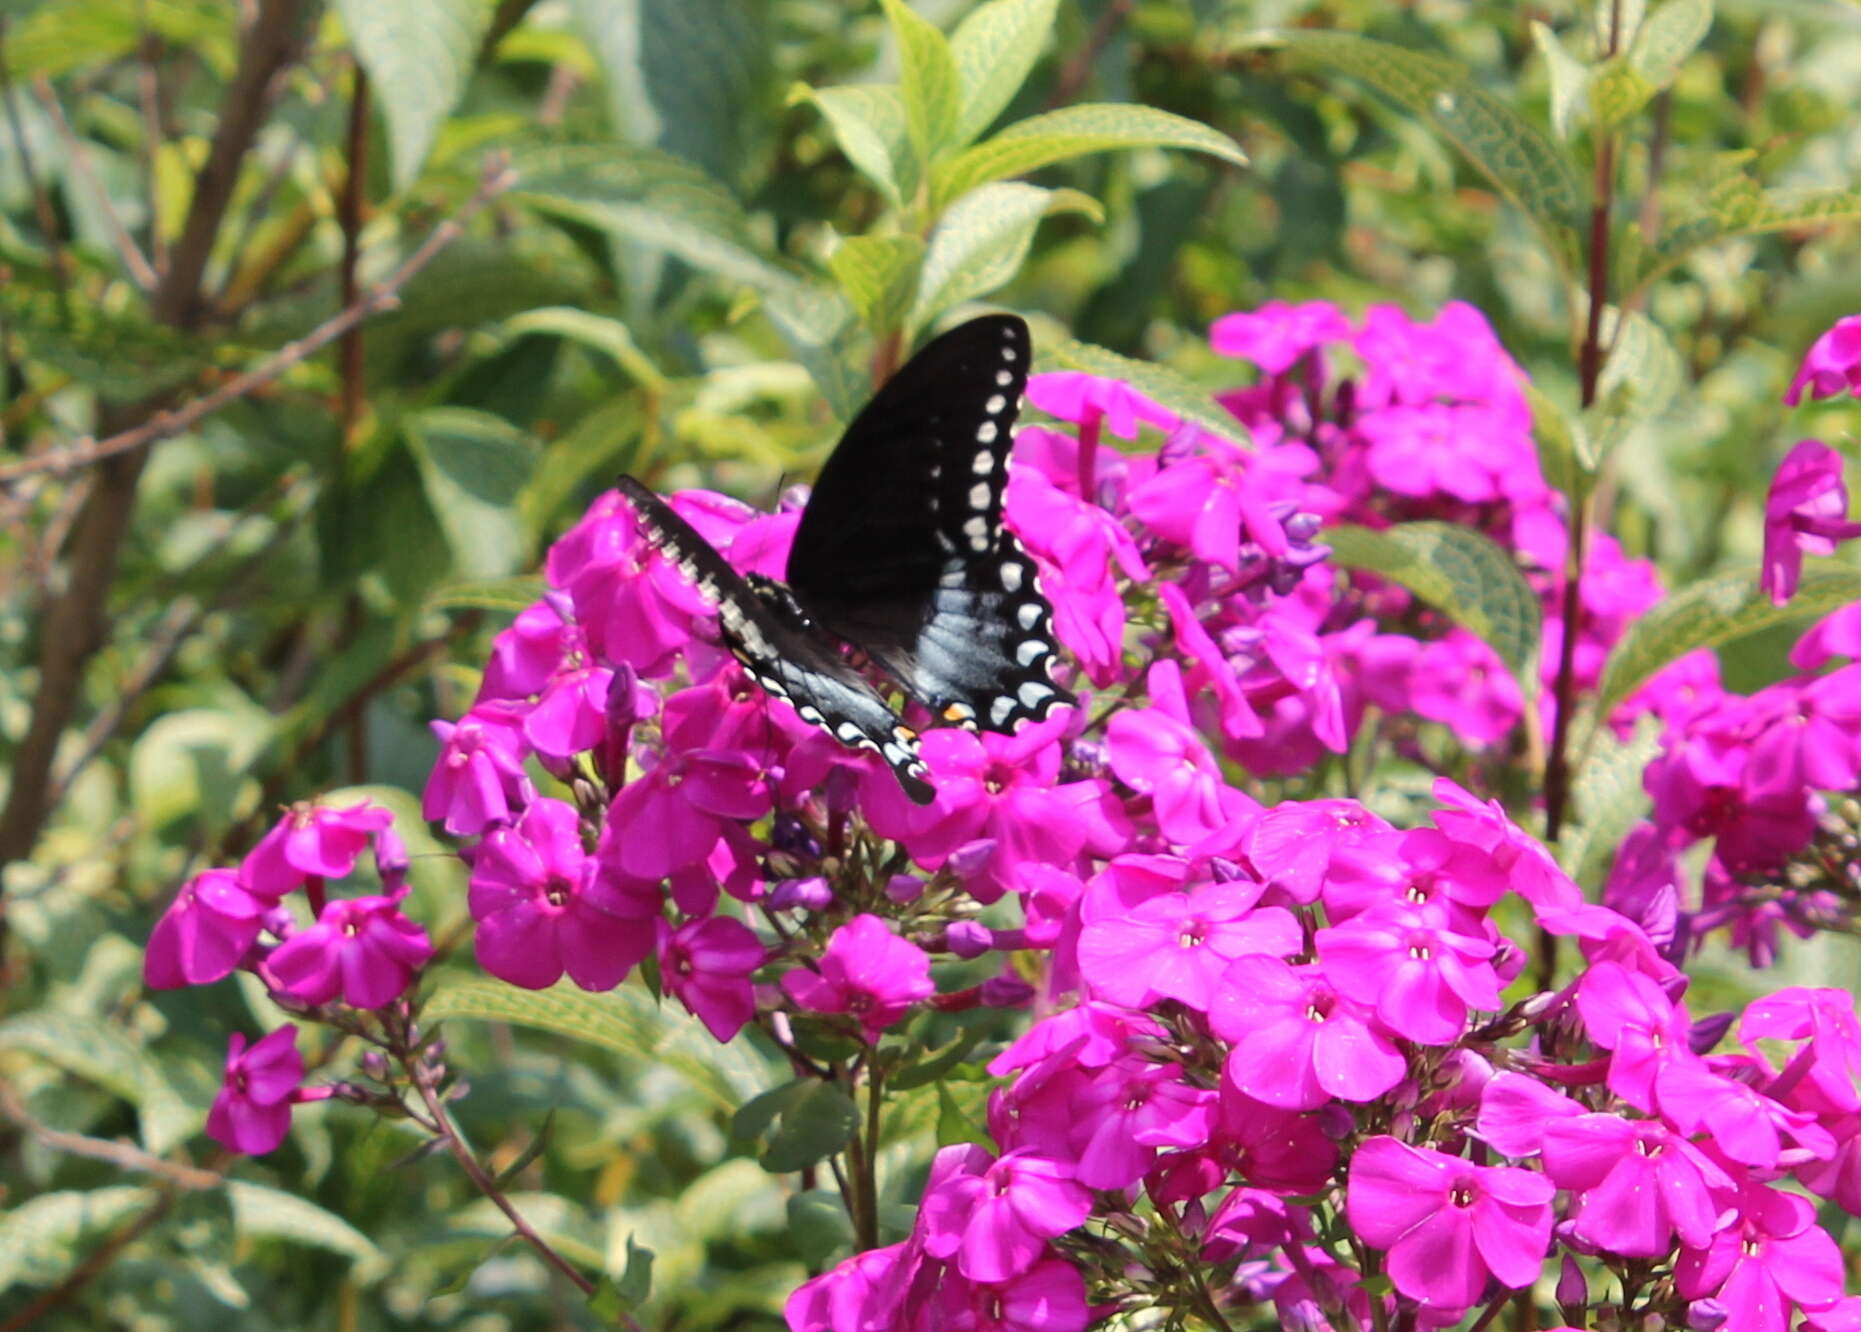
995, 404
986, 432
1011, 577
984, 463
979, 495
1030, 651
1004, 377
1001, 709
1032, 692
977, 530
1027, 615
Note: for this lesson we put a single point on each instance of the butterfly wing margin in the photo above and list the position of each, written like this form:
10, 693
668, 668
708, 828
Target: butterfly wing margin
784, 653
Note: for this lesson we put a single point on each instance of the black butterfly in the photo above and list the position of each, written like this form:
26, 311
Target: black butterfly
901, 554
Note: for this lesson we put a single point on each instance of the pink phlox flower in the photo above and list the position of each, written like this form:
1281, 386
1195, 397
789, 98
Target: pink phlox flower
729, 712
1296, 1042
478, 779
994, 1217
1075, 396
1436, 449
1437, 867
1177, 945
1419, 972
1294, 845
524, 655
1832, 363
761, 544
1157, 755
1534, 873
1129, 1109
1208, 669
1081, 548
1825, 1018
1460, 682
1214, 506
1269, 1148
1646, 884
311, 841
1057, 455
1515, 1111
362, 948
673, 814
544, 906
1748, 1126
1638, 1183
1837, 634
1629, 1014
1446, 1223
1454, 358
633, 605
206, 931
1308, 1298
1049, 1297
1277, 334
1252, 1220
707, 964
570, 716
996, 787
1842, 1316
866, 971
1092, 1034
252, 1112
858, 1295
1676, 693
1805, 513
1301, 661
1770, 1260
1809, 737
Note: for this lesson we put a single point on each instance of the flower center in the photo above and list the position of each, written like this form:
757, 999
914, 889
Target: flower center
557, 892
1194, 931
1462, 1195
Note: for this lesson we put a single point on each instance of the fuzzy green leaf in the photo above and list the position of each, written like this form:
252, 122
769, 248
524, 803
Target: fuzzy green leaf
1570, 81
981, 241
418, 54
994, 47
261, 1212
1736, 205
474, 466
820, 328
504, 595
1162, 385
927, 79
878, 275
1641, 377
868, 120
1667, 37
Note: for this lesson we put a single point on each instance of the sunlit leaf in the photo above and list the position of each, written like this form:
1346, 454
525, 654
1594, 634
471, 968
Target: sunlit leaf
927, 79
474, 465
418, 54
981, 242
878, 275
995, 46
1162, 385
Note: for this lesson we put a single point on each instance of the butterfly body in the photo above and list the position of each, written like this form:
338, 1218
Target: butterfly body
901, 554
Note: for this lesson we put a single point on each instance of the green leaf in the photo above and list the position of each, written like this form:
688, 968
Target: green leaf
507, 596
936, 1067
681, 77
814, 1124
1074, 131
80, 1045
1505, 147
1667, 37
1618, 91
56, 39
868, 120
606, 441
1570, 80
474, 466
1710, 612
878, 274
260, 1212
1459, 572
981, 241
654, 199
614, 1299
419, 55
1565, 453
191, 764
39, 1237
1609, 798
601, 333
1641, 377
822, 331
957, 1121
1162, 385
818, 1226
623, 1020
1736, 205
927, 79
994, 47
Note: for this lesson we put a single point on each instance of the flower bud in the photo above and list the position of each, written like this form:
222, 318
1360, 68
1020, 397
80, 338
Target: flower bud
971, 858
904, 888
812, 894
1006, 992
968, 938
1706, 1315
1708, 1032
1573, 1292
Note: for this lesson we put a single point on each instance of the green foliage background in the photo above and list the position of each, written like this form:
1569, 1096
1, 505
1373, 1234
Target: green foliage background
727, 215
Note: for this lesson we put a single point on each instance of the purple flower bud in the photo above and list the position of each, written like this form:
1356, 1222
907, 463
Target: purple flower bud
1573, 1292
391, 861
968, 938
623, 697
1006, 992
374, 1063
1706, 1315
1223, 870
904, 888
800, 894
1302, 527
971, 858
561, 603
1708, 1032
1335, 1122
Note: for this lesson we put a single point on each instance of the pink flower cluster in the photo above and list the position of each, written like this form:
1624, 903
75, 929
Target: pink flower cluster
359, 951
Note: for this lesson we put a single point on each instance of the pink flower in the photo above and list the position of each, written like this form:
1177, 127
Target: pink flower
1639, 1183
205, 932
1628, 1013
867, 971
524, 655
478, 779
543, 906
707, 964
996, 1216
1296, 1041
1833, 363
1419, 972
362, 948
1771, 1259
1447, 1223
252, 1113
1276, 335
1178, 945
1073, 395
311, 841
1804, 514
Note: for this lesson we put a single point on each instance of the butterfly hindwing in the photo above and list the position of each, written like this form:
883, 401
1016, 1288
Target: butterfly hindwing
781, 648
902, 551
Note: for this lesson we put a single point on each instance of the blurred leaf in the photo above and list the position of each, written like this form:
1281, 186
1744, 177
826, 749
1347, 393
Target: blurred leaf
1159, 383
1609, 799
39, 1237
260, 1212
818, 1222
822, 331
927, 79
868, 120
614, 1299
1565, 453
1074, 131
994, 47
418, 54
1506, 148
1459, 572
1710, 612
602, 333
1667, 37
1736, 205
814, 1124
981, 242
606, 442
191, 763
507, 595
727, 1200
1639, 380
58, 38
655, 199
1570, 81
936, 1067
623, 1020
475, 465
957, 1122
1618, 91
682, 77
80, 1045
122, 355
878, 275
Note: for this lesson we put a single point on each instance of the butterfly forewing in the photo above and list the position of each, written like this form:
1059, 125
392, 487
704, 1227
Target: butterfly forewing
902, 551
782, 650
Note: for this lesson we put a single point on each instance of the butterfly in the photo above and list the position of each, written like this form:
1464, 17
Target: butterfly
901, 555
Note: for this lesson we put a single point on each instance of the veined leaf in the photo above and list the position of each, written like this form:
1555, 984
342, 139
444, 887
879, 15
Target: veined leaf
1667, 37
1638, 381
927, 79
805, 1121
1459, 572
504, 595
601, 332
1505, 147
1609, 799
1570, 80
994, 47
1565, 453
80, 1045
820, 328
879, 274
1162, 385
418, 54
981, 241
268, 1213
1074, 131
868, 120
655, 199
1737, 205
1619, 90
39, 1237
1710, 612
474, 466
